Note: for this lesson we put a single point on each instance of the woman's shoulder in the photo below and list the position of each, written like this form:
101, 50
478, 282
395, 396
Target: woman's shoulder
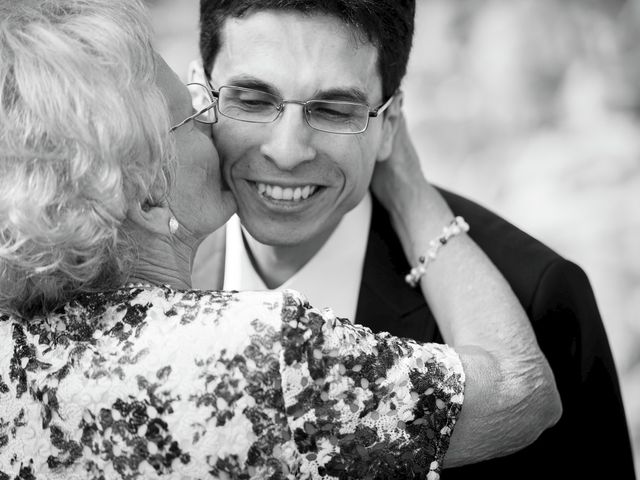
135, 306
177, 374
188, 305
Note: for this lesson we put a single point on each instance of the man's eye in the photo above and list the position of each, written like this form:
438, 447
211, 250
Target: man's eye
332, 112
252, 102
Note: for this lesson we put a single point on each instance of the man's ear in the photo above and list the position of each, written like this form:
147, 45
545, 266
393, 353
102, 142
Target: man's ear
198, 97
196, 72
150, 218
389, 127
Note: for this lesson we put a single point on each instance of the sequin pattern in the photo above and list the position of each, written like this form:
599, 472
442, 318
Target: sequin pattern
157, 383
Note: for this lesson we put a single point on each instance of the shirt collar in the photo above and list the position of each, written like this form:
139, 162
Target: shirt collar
330, 279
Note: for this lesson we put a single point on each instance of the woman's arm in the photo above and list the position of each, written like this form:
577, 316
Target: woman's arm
365, 405
510, 392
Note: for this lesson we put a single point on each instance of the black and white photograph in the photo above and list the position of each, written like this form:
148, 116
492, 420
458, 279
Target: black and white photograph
319, 239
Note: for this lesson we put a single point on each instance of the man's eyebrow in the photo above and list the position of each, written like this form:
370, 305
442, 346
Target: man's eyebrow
247, 81
348, 94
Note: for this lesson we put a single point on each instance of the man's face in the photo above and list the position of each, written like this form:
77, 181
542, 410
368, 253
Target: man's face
292, 183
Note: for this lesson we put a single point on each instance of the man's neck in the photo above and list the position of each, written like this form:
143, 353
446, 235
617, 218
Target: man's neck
277, 264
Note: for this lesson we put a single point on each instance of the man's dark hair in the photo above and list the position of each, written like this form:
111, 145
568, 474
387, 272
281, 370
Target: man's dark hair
387, 24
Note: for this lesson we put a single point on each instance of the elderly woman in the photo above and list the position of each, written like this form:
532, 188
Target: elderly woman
111, 367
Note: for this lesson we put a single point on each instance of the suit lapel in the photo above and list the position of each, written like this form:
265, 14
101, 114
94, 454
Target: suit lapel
386, 302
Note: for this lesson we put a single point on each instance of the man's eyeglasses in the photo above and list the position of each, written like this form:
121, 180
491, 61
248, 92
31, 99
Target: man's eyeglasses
256, 106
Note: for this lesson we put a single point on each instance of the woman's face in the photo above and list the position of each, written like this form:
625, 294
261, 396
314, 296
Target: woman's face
196, 197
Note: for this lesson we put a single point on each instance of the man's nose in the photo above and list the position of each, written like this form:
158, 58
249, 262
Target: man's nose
289, 143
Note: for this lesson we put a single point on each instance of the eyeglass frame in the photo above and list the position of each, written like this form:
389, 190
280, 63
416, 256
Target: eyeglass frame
215, 95
214, 101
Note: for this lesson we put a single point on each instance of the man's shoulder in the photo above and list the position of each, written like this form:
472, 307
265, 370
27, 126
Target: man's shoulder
497, 236
521, 258
559, 300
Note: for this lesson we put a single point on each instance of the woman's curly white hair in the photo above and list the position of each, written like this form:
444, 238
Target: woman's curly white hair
83, 132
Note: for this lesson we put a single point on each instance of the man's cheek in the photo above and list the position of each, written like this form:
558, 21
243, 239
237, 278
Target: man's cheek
225, 155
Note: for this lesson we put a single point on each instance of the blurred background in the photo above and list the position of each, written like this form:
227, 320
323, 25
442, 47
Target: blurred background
531, 108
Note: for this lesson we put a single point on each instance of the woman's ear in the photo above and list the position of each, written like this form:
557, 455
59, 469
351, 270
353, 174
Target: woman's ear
389, 127
149, 217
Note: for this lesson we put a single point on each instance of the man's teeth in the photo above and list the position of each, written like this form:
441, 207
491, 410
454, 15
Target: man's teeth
286, 193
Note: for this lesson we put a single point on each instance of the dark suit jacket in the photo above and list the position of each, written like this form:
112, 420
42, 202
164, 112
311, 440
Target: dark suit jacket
591, 440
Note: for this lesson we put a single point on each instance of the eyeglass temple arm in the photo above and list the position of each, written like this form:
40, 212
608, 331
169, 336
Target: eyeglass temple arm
191, 117
384, 106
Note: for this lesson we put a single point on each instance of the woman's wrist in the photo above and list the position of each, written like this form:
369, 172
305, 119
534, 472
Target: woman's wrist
419, 217
457, 226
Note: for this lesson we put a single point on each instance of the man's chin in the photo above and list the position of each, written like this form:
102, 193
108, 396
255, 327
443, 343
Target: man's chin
291, 243
276, 237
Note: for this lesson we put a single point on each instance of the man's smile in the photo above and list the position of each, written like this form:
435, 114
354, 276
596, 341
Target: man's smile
286, 193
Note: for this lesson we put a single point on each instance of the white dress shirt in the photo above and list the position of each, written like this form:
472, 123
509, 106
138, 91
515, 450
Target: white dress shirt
330, 279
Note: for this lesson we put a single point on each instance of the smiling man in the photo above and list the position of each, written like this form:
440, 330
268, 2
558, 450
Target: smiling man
308, 102
304, 115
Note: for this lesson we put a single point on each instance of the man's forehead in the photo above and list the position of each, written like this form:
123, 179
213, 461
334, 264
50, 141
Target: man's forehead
257, 25
317, 49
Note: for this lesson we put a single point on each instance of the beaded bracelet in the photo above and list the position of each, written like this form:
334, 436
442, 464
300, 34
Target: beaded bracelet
456, 227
